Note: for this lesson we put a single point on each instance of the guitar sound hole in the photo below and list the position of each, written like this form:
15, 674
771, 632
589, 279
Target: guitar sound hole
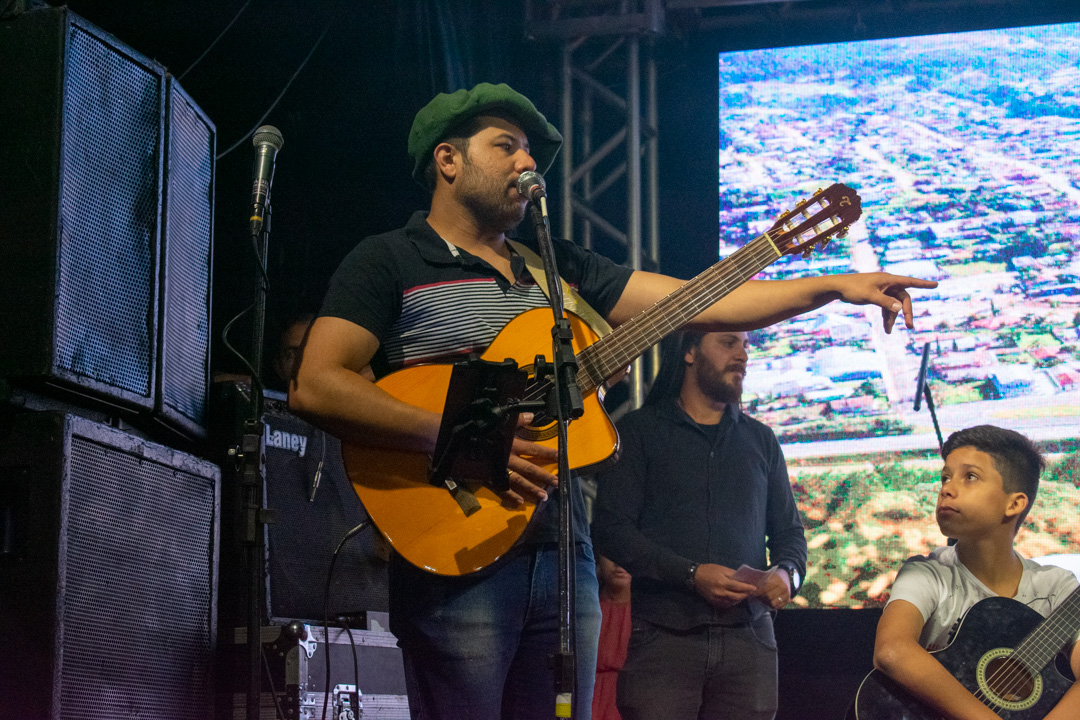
541, 420
540, 429
1009, 680
536, 390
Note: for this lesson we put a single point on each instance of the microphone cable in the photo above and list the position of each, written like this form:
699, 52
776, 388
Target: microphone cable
326, 608
284, 90
220, 35
355, 667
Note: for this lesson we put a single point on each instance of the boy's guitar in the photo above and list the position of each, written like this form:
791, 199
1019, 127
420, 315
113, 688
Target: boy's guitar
1003, 652
458, 530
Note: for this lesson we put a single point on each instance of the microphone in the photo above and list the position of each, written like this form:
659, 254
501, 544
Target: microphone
531, 185
267, 142
920, 384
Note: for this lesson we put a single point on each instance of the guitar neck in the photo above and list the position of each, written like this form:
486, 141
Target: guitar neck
1039, 648
613, 352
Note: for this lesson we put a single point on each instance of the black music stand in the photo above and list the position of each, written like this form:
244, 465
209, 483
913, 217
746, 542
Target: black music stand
483, 402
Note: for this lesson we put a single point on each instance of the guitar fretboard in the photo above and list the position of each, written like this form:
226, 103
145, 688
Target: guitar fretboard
1039, 648
611, 353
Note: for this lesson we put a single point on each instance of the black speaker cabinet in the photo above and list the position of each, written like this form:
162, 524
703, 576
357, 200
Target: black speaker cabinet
108, 573
92, 134
305, 531
183, 373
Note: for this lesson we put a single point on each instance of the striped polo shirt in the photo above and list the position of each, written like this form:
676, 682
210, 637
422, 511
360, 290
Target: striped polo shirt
427, 303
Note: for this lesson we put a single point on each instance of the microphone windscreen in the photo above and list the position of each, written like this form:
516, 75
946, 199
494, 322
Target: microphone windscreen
529, 180
268, 135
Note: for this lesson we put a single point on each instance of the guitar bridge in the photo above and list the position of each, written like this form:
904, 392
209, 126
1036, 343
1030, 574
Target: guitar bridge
463, 496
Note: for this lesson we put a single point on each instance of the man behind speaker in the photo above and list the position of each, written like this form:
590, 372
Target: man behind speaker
290, 343
441, 288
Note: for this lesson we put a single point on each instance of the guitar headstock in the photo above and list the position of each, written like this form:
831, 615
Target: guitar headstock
826, 214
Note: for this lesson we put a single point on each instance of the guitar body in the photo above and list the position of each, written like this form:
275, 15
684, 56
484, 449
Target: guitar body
987, 633
423, 522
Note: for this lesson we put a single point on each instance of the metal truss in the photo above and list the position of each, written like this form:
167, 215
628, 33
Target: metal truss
609, 134
609, 129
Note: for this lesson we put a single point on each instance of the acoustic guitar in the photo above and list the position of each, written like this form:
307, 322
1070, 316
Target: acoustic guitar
432, 526
1003, 652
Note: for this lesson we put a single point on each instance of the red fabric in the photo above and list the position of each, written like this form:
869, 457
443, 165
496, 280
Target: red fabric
610, 657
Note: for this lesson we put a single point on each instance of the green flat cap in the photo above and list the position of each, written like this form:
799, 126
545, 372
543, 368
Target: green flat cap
434, 121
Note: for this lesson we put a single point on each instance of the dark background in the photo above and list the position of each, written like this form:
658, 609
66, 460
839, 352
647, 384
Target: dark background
343, 172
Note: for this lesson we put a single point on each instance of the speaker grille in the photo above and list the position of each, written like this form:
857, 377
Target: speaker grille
189, 219
136, 612
110, 175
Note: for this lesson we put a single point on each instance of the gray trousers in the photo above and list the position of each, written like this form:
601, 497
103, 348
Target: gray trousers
707, 673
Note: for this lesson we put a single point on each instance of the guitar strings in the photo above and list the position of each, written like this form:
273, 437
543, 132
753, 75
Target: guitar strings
708, 287
631, 333
1044, 642
1035, 651
701, 291
697, 294
1052, 635
690, 299
1010, 677
759, 252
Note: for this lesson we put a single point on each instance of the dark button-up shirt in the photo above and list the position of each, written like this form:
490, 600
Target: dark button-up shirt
682, 493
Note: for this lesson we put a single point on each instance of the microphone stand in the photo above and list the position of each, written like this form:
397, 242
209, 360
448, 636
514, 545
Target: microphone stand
933, 414
568, 404
922, 391
937, 429
252, 478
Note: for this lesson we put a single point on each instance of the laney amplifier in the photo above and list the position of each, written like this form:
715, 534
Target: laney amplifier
313, 505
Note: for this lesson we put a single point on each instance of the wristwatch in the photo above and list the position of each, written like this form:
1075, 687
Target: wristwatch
793, 573
690, 573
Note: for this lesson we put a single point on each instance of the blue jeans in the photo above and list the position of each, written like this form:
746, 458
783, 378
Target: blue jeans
479, 648
706, 673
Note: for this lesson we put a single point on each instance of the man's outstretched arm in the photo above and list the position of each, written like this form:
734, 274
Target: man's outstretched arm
759, 303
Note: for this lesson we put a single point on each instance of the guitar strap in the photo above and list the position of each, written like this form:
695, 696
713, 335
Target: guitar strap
572, 300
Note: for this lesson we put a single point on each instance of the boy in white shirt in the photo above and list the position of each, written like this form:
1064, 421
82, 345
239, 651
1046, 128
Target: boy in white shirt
988, 484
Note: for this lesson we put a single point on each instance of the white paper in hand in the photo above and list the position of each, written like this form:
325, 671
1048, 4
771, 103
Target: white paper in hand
752, 576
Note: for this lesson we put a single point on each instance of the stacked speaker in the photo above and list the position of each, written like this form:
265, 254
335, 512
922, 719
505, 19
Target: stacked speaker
106, 223
108, 573
108, 541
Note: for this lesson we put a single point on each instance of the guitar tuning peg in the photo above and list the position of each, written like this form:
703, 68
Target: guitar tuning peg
842, 234
825, 241
808, 251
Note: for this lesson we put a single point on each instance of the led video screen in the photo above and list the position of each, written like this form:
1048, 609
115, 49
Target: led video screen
964, 149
